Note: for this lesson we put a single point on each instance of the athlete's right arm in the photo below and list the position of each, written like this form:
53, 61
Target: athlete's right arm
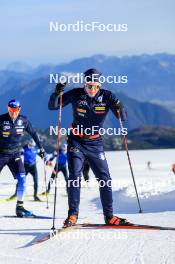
54, 100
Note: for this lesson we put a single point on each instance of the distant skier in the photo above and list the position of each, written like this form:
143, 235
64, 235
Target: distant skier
30, 152
149, 165
12, 128
173, 168
62, 165
90, 106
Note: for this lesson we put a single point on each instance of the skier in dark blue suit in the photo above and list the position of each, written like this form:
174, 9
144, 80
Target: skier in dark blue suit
12, 128
90, 106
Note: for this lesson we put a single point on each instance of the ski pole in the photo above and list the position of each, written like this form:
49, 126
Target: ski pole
45, 180
58, 144
129, 160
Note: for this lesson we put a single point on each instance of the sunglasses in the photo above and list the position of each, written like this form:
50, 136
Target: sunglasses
92, 86
14, 109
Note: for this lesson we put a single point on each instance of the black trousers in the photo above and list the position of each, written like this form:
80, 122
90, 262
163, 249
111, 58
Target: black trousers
62, 169
86, 169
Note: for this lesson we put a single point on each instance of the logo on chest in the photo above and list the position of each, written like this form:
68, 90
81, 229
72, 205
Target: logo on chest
5, 134
99, 109
6, 127
6, 122
19, 122
100, 99
81, 110
82, 102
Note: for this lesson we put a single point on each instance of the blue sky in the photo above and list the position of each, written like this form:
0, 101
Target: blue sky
25, 36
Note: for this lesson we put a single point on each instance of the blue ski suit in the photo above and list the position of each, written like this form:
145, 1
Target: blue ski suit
62, 167
10, 147
30, 155
88, 112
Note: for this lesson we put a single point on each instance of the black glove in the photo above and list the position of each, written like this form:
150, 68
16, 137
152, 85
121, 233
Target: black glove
121, 112
42, 153
59, 89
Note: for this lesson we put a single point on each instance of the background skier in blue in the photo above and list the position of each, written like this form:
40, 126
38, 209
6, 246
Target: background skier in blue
12, 128
62, 165
90, 106
30, 152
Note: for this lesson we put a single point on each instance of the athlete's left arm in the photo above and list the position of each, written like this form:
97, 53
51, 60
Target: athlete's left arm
115, 105
31, 131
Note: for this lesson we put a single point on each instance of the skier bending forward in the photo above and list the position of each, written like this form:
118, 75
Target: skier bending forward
12, 128
90, 106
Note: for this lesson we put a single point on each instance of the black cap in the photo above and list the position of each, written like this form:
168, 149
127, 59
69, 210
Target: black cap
92, 75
